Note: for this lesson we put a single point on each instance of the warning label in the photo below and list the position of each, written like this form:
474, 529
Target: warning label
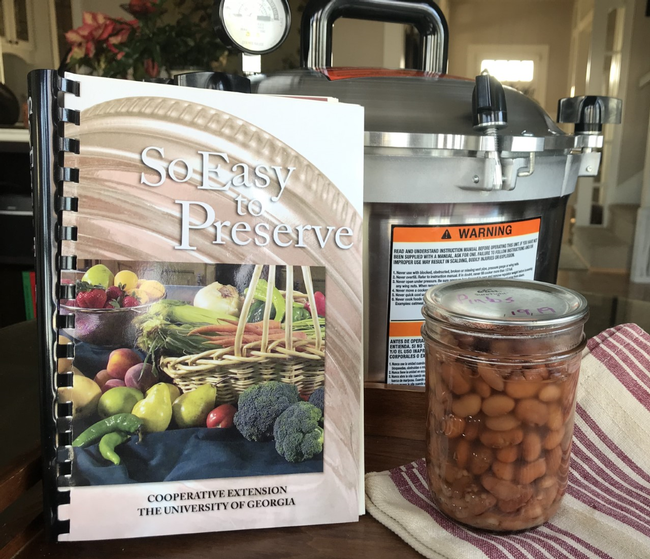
405, 353
423, 256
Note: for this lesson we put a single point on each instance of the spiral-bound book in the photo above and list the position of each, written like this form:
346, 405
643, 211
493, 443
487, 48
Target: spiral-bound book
199, 289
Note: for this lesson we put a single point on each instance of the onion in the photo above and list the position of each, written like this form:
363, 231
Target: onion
219, 298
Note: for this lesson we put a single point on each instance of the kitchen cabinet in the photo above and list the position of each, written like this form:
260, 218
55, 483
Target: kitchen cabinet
16, 230
17, 28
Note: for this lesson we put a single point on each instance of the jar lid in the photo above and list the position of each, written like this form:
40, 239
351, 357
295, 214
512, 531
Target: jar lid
505, 304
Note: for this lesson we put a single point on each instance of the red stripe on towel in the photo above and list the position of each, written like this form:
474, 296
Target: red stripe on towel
586, 493
572, 536
409, 482
403, 479
591, 471
600, 338
611, 488
617, 353
539, 535
417, 499
603, 438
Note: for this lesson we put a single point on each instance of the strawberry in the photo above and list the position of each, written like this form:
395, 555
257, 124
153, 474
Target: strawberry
113, 293
130, 301
91, 299
90, 296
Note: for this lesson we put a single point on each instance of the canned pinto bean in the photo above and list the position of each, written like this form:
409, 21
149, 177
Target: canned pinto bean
502, 365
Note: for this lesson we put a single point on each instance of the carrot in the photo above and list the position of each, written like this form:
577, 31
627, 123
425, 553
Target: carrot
259, 326
226, 341
253, 328
230, 334
213, 328
231, 326
273, 324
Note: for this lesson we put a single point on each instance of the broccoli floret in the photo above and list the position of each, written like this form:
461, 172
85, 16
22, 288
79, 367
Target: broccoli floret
260, 405
298, 435
318, 399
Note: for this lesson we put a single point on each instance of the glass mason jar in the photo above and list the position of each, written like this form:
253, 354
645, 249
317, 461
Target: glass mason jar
502, 364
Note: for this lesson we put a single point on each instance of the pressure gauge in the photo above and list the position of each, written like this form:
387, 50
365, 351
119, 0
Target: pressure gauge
253, 26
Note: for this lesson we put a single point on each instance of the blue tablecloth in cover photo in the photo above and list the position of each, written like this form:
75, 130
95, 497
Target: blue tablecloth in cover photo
186, 454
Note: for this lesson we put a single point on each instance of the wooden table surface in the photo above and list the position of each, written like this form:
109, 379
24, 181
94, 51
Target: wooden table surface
394, 436
366, 538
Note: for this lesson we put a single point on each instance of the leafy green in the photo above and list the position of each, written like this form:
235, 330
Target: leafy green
307, 326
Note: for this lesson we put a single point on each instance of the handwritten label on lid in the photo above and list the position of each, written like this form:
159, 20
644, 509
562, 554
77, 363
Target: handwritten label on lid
504, 300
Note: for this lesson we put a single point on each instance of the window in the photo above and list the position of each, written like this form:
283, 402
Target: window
523, 67
510, 71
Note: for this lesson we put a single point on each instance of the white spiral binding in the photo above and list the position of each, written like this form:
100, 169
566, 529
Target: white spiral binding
63, 409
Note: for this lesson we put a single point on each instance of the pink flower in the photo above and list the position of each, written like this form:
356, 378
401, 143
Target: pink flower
98, 29
118, 53
151, 68
142, 7
122, 33
90, 49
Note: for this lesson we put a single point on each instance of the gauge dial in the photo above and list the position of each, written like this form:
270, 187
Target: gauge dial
255, 26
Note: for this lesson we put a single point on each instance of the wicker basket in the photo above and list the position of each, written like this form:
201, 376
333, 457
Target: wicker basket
233, 369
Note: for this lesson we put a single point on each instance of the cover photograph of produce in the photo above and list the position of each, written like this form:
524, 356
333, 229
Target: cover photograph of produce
220, 377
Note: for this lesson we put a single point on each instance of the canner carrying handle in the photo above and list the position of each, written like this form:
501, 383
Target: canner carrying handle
589, 112
319, 17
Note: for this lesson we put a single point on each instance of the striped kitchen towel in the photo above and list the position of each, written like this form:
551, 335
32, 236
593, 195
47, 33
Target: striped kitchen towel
605, 513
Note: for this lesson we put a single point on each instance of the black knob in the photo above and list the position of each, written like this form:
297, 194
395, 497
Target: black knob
589, 112
214, 80
489, 103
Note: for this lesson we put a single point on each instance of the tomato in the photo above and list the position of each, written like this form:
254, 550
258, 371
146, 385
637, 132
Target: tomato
319, 299
221, 417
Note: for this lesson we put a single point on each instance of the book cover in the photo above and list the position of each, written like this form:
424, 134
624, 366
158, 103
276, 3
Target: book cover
206, 371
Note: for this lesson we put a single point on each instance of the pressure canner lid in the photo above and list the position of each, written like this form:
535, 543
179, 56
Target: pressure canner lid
410, 103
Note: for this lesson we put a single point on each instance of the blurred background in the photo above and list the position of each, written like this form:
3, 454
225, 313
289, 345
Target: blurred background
548, 49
